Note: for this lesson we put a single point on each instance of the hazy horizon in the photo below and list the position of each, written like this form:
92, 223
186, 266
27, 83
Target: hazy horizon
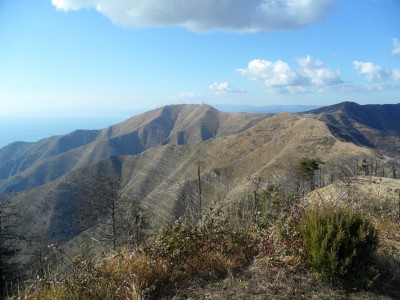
71, 56
35, 128
32, 128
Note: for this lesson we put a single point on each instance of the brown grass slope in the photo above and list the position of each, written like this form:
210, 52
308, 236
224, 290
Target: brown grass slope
24, 166
164, 178
158, 153
277, 269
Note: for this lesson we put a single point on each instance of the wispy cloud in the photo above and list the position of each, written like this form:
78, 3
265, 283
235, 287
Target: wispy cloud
188, 96
225, 87
205, 15
396, 47
279, 76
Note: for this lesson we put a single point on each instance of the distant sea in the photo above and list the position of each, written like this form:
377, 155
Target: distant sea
32, 129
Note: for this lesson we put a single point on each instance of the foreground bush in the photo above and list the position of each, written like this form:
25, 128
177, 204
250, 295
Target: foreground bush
340, 242
179, 255
207, 250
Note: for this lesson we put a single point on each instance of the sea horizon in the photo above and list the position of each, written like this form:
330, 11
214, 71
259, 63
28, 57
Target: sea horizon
34, 128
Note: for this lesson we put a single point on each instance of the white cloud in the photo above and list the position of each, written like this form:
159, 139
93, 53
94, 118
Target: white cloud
71, 4
272, 74
278, 76
317, 73
225, 87
204, 15
371, 71
375, 73
396, 74
379, 79
396, 47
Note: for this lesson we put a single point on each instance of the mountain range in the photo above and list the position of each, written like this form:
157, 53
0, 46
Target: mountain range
374, 126
162, 154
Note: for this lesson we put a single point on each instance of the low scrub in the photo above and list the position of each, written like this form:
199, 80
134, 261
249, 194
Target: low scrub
207, 250
177, 256
340, 242
270, 232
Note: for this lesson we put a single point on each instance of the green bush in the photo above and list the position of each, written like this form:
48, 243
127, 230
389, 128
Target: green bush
339, 241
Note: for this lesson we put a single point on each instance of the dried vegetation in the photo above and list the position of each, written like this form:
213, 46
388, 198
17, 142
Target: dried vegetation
251, 249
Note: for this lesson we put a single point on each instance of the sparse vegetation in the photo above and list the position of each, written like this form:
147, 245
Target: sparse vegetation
269, 237
178, 255
257, 220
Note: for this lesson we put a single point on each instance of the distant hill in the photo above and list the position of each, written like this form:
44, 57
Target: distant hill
27, 165
375, 126
158, 154
269, 109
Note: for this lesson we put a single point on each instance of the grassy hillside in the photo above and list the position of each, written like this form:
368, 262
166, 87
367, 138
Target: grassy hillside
165, 178
177, 163
257, 255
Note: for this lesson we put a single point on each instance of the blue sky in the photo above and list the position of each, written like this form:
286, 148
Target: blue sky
63, 57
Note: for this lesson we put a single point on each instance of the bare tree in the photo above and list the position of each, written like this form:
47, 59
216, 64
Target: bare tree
256, 182
199, 163
10, 239
118, 219
133, 221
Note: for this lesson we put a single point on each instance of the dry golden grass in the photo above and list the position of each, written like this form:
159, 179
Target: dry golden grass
176, 258
119, 275
212, 260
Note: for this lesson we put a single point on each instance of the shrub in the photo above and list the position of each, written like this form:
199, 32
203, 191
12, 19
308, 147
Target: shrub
339, 241
208, 249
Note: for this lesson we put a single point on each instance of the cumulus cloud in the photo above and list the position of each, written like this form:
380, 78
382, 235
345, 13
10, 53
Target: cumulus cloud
378, 78
272, 74
317, 74
72, 4
375, 73
278, 76
225, 87
205, 15
396, 47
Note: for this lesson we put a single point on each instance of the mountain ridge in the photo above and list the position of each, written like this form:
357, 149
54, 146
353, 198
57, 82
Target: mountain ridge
375, 126
179, 124
159, 155
164, 178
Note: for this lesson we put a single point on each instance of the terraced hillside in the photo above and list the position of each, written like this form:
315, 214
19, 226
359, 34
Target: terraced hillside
159, 155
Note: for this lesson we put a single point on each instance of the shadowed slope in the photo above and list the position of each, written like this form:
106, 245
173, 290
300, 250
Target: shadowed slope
165, 178
376, 126
24, 166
